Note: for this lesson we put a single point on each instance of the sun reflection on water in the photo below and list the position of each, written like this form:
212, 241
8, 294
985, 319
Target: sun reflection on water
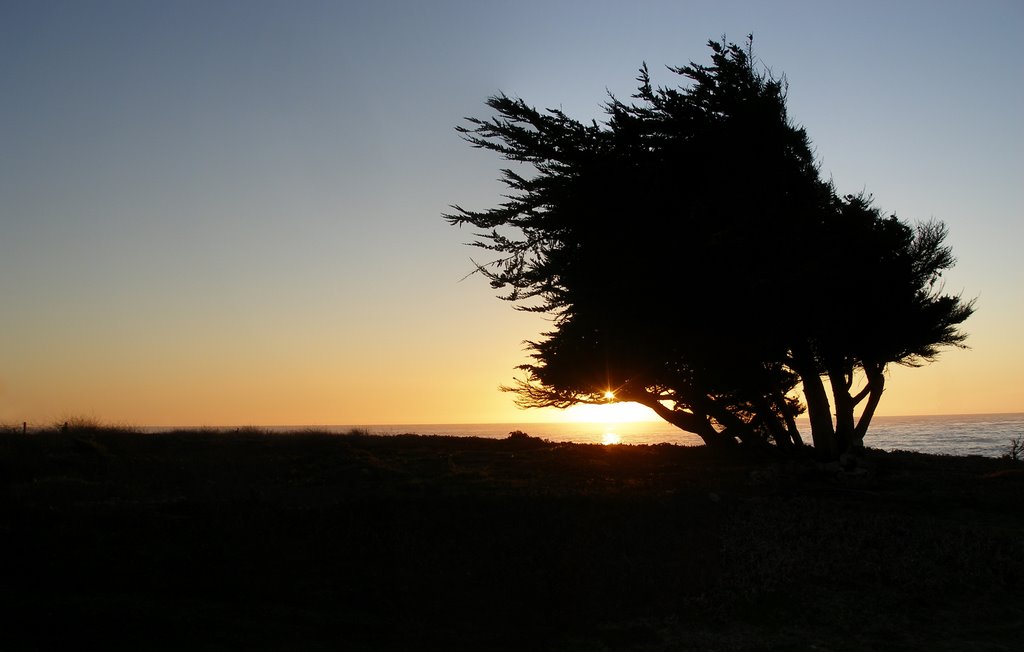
610, 438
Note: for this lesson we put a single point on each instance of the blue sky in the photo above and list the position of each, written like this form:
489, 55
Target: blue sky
229, 212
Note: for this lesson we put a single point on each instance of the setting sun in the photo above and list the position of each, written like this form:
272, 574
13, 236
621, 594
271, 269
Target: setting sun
609, 413
610, 438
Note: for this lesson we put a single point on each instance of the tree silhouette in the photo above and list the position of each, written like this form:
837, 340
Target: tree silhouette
694, 261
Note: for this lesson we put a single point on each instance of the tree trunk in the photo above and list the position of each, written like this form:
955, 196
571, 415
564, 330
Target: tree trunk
844, 409
876, 385
769, 417
734, 427
823, 435
686, 421
790, 420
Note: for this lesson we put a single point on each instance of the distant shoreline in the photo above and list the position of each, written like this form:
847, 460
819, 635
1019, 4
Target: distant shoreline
971, 434
527, 424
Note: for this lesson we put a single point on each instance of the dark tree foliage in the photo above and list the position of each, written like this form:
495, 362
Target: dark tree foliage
694, 261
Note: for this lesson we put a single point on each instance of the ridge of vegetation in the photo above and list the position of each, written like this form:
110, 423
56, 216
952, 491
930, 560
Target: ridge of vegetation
231, 540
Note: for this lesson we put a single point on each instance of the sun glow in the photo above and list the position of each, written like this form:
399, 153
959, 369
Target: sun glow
610, 438
609, 413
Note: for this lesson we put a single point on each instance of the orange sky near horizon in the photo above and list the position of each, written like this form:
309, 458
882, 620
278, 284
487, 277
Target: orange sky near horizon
230, 214
224, 391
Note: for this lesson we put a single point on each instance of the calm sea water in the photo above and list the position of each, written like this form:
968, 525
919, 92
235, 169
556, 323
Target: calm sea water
970, 434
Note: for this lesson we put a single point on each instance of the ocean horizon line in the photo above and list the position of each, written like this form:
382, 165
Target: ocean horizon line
659, 422
986, 433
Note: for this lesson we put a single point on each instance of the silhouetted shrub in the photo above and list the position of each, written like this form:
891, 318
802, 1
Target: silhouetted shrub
1015, 450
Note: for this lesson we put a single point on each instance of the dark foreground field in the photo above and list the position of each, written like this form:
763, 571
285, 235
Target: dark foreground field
205, 541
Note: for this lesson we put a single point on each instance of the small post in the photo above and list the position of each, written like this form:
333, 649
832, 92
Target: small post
24, 427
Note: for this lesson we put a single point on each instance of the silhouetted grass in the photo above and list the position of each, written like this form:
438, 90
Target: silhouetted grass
201, 539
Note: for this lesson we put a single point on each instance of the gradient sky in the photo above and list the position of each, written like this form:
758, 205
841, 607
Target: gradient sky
228, 213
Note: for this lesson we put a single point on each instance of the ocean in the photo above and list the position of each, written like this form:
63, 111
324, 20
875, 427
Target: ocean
965, 434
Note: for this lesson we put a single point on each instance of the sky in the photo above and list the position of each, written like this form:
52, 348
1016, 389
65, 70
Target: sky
228, 213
